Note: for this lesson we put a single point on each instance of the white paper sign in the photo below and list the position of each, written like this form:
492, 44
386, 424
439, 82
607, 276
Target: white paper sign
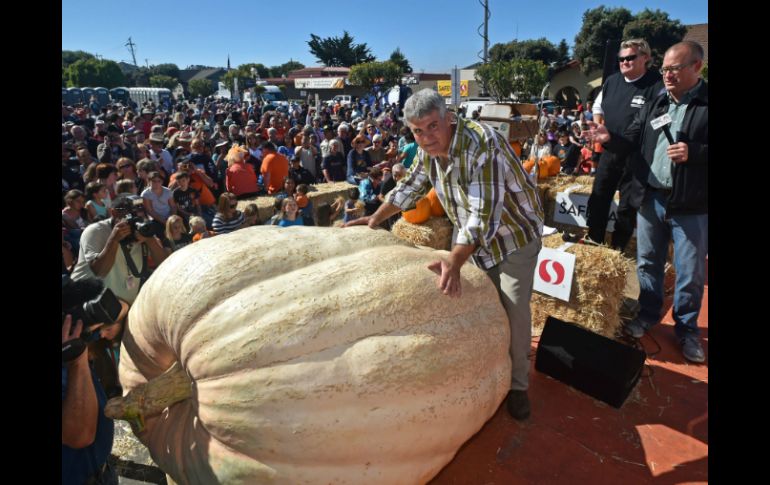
553, 273
572, 209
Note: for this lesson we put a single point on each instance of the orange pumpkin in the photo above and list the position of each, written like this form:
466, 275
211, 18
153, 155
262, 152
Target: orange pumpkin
420, 213
552, 165
436, 209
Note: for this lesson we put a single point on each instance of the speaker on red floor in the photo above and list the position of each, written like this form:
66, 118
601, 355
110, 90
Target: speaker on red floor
591, 363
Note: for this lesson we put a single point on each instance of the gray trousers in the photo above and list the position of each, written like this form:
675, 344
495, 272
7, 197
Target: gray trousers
513, 279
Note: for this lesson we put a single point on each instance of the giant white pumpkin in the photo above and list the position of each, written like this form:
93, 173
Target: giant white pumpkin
315, 355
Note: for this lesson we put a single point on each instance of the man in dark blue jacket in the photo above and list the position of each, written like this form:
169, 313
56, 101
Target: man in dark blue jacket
670, 182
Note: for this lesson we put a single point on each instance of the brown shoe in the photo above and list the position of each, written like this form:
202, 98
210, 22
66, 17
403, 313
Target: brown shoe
517, 403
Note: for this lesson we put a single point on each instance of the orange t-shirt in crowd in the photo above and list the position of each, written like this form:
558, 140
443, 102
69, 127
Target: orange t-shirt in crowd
302, 200
278, 167
197, 183
240, 178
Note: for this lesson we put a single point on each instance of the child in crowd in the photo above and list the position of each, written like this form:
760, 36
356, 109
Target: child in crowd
354, 208
198, 229
72, 218
304, 204
127, 186
176, 237
250, 215
567, 152
186, 198
290, 213
96, 192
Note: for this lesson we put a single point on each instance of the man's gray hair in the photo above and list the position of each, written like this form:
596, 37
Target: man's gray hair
272, 130
398, 168
641, 46
422, 103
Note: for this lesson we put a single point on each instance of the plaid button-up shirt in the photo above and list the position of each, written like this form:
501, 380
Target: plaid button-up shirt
484, 190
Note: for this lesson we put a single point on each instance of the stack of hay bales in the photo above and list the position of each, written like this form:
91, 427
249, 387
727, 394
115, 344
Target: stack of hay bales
436, 232
318, 194
597, 290
552, 185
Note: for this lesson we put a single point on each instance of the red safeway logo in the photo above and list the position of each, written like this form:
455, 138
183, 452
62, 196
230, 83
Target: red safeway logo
551, 271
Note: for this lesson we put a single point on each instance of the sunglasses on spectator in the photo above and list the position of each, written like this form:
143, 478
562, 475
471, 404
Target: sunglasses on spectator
627, 58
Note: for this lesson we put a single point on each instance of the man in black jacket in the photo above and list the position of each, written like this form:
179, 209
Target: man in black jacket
670, 181
623, 95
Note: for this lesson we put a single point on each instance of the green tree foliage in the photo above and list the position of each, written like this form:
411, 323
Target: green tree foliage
602, 24
69, 57
704, 73
523, 77
285, 68
657, 29
170, 70
366, 75
599, 25
339, 51
244, 71
201, 87
563, 50
397, 57
138, 78
163, 81
93, 73
536, 50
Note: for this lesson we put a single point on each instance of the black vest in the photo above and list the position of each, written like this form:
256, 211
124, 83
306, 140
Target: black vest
621, 100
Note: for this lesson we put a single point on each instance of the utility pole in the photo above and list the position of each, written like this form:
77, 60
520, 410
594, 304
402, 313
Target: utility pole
486, 31
131, 45
147, 63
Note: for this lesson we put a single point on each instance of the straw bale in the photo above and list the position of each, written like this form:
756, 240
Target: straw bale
597, 290
318, 194
264, 206
436, 232
552, 185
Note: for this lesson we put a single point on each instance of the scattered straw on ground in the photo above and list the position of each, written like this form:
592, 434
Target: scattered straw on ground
436, 232
597, 290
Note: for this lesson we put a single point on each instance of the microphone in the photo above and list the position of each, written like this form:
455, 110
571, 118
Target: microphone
664, 122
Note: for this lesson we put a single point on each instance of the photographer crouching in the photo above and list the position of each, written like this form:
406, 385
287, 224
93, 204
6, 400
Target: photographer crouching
115, 250
90, 313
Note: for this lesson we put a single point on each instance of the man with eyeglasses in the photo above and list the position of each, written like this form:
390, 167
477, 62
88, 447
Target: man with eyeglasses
623, 95
670, 187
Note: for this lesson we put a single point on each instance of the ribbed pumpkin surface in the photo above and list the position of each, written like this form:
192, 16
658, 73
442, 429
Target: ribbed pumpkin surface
317, 355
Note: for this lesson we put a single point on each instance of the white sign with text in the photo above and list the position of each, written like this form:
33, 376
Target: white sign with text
553, 273
572, 209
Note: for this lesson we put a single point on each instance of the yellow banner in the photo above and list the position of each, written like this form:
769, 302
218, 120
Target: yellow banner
445, 88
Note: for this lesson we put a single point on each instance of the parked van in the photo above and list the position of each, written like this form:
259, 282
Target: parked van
273, 95
474, 104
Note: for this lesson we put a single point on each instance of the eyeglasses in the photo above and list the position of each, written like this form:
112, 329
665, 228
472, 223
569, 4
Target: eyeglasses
675, 69
627, 58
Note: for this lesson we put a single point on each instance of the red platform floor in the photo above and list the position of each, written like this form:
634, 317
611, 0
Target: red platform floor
659, 436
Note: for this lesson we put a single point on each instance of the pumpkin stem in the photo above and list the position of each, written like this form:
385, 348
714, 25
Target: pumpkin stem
151, 398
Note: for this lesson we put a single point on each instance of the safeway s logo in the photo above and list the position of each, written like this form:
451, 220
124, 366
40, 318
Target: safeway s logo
551, 271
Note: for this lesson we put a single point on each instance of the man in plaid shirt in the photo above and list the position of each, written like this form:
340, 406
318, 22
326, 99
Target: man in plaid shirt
494, 207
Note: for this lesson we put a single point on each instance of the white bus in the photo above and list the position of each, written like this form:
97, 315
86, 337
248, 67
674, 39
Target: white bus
156, 95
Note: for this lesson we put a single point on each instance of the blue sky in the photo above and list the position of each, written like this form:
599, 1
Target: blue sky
433, 35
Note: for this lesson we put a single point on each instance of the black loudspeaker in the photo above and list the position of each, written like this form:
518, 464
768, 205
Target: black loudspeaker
591, 363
